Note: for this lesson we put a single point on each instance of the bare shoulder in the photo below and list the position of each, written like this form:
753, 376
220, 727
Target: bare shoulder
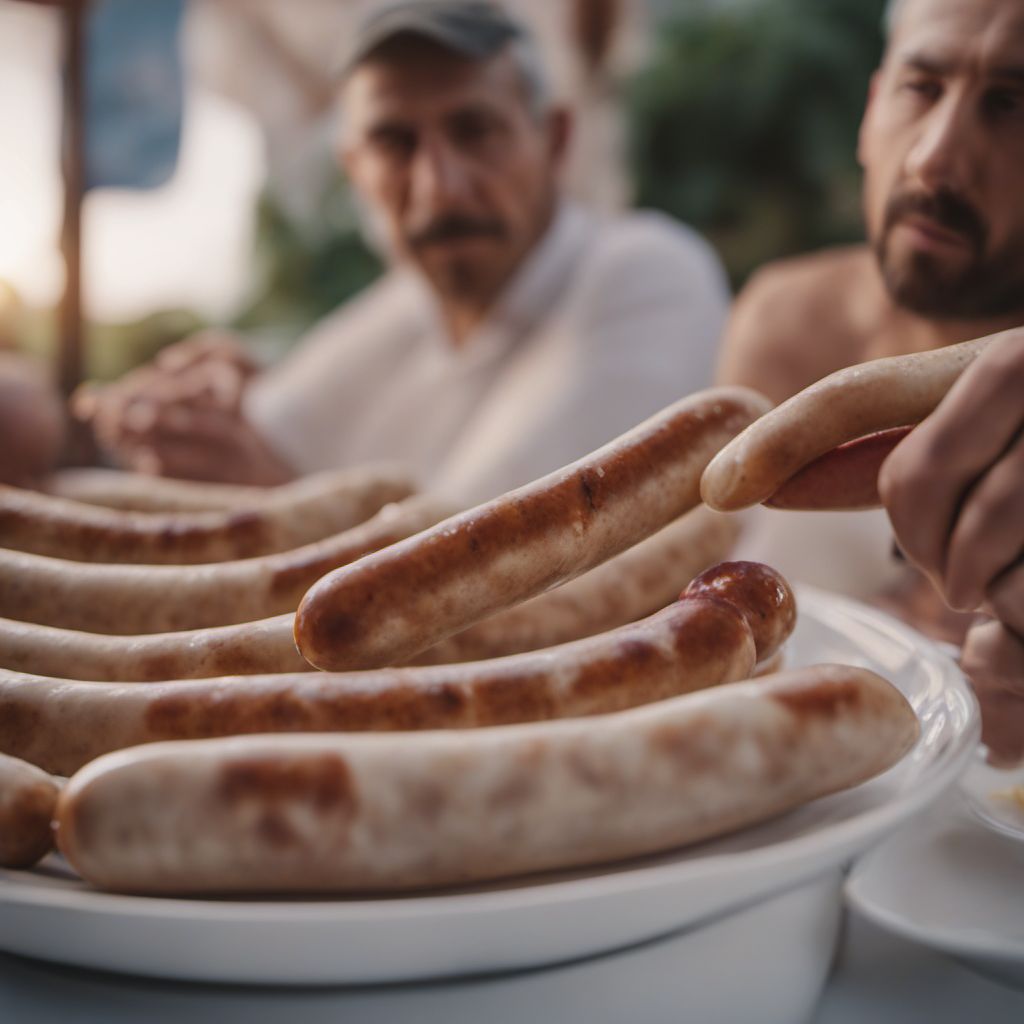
798, 320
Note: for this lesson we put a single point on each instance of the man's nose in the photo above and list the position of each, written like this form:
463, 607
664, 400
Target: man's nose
439, 176
942, 156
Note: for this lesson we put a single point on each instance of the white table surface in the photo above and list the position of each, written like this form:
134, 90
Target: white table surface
877, 978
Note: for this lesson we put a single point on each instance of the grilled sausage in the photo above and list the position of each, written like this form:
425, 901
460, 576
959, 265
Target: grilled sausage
131, 599
347, 813
391, 605
60, 528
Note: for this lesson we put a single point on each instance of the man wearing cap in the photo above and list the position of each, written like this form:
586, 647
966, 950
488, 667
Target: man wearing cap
515, 331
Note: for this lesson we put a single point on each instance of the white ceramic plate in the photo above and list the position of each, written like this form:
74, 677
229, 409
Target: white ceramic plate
544, 920
996, 796
947, 881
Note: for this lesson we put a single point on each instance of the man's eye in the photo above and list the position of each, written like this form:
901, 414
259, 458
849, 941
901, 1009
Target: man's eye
925, 88
472, 130
394, 141
1004, 101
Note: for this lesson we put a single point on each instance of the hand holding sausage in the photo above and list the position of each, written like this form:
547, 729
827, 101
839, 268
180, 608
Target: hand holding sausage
954, 489
846, 406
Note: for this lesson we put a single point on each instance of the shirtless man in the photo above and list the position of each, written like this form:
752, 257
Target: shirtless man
942, 147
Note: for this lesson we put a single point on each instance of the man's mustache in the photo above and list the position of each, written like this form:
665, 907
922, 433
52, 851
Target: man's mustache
454, 228
944, 208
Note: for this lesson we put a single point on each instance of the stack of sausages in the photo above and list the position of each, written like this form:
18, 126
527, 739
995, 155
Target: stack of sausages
502, 690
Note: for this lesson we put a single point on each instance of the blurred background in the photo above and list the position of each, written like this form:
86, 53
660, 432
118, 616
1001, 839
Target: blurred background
210, 195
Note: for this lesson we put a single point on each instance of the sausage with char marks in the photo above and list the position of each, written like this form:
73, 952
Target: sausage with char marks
60, 528
702, 640
350, 813
391, 605
132, 599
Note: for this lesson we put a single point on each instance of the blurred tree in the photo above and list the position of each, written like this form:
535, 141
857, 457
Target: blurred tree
301, 275
745, 123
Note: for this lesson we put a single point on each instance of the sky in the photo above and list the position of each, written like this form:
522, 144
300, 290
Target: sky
186, 244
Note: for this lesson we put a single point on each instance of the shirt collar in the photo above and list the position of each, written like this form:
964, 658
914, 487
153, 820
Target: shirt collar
536, 287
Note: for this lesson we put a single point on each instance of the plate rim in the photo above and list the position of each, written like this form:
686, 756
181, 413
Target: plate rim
964, 942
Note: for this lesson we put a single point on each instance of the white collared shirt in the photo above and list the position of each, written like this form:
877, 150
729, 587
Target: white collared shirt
607, 322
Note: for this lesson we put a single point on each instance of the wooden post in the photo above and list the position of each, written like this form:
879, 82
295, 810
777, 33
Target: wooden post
71, 341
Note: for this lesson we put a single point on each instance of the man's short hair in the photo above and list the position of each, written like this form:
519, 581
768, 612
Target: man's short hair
891, 15
472, 29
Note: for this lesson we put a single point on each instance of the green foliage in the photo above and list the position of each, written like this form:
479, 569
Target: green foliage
745, 123
301, 275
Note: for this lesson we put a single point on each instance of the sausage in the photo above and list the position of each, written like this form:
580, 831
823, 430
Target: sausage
349, 813
60, 528
845, 478
627, 587
895, 392
28, 798
391, 605
61, 725
140, 492
701, 640
130, 599
243, 649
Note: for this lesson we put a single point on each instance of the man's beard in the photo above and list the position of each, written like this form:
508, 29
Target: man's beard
987, 286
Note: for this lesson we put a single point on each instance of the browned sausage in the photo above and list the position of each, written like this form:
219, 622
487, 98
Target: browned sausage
265, 645
140, 492
28, 797
131, 599
389, 606
347, 813
44, 525
628, 586
849, 404
694, 643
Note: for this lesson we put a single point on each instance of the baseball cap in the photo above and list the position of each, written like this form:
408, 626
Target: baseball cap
476, 29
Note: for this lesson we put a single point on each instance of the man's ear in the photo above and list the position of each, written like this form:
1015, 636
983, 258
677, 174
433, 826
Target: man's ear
865, 122
560, 125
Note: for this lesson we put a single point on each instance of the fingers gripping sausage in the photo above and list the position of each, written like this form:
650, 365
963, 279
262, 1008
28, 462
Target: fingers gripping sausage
388, 607
44, 525
130, 599
849, 404
636, 583
347, 813
702, 640
28, 798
